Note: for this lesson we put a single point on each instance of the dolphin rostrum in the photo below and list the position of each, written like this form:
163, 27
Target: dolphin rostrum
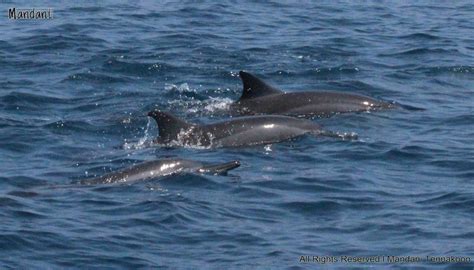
258, 97
239, 131
159, 168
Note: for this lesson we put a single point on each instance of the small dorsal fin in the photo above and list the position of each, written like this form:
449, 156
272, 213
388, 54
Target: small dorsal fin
169, 125
255, 87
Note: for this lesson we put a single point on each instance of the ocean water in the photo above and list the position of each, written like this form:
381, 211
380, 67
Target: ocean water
75, 90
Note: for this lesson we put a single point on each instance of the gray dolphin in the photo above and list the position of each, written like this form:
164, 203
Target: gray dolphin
159, 168
240, 131
259, 97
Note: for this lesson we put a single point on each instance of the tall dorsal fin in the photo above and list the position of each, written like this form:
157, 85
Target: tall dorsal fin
254, 87
169, 125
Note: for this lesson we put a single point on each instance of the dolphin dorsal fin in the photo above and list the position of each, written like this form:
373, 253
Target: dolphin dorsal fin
169, 125
255, 87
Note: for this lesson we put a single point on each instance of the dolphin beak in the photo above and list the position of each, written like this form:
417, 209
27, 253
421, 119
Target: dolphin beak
222, 168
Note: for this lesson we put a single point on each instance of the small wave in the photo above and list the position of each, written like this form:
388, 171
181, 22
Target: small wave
191, 180
405, 153
459, 120
312, 207
420, 51
44, 39
9, 202
255, 50
445, 70
36, 99
134, 68
15, 241
24, 182
29, 214
33, 65
451, 201
6, 122
45, 42
87, 9
419, 36
331, 70
95, 77
327, 72
409, 107
70, 125
23, 194
56, 45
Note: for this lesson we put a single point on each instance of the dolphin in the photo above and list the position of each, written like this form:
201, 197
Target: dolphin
258, 97
160, 168
239, 131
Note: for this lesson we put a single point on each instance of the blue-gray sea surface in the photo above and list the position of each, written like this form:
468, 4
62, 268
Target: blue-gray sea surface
75, 90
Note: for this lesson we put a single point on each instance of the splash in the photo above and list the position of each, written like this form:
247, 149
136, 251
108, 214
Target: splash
192, 101
218, 104
337, 134
202, 107
268, 149
348, 135
184, 139
182, 88
143, 142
